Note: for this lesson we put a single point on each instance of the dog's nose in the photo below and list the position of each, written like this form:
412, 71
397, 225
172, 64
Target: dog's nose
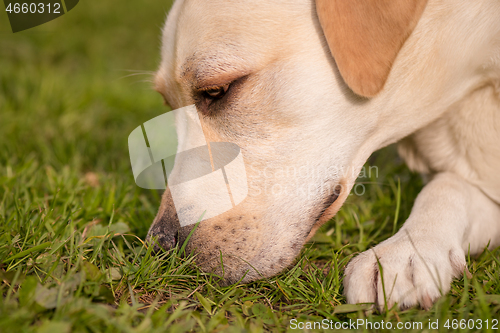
164, 232
162, 235
162, 242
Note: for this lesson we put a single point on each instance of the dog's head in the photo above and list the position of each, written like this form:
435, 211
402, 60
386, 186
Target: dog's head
288, 81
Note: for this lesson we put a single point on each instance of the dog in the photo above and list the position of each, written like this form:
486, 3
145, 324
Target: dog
321, 85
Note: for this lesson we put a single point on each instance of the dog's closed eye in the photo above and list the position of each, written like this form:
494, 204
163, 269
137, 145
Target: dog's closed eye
210, 100
216, 92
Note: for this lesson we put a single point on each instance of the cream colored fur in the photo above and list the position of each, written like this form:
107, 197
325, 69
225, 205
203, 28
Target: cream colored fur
290, 109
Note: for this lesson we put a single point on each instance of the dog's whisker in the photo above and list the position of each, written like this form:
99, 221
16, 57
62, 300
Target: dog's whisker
134, 74
143, 81
137, 71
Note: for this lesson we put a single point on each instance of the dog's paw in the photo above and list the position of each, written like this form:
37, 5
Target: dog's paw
415, 271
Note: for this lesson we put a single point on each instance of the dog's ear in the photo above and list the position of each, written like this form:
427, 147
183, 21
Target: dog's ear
365, 36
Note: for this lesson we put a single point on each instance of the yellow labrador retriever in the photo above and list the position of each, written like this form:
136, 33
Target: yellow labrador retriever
318, 86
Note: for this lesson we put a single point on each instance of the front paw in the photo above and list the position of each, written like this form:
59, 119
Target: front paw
415, 271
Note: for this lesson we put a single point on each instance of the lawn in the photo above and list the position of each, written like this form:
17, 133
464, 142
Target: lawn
72, 220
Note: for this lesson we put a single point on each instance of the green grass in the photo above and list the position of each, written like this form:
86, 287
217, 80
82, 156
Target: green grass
72, 219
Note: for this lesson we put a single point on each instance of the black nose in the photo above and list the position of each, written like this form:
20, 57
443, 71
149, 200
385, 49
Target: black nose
164, 232
162, 242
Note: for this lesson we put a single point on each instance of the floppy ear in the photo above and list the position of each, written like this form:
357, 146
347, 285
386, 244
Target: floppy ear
365, 36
